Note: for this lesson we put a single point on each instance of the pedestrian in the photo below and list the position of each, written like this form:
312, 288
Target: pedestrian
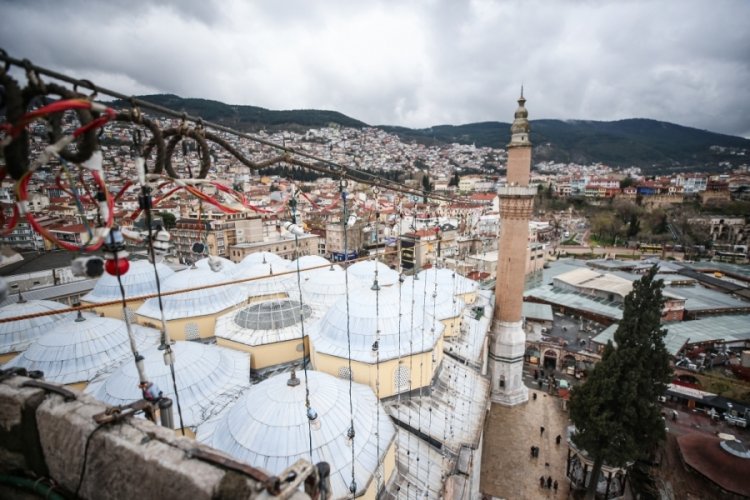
536, 374
554, 485
533, 395
541, 431
558, 439
674, 415
536, 451
541, 481
533, 451
549, 482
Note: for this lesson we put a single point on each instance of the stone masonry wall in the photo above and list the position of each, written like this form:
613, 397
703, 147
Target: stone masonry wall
43, 434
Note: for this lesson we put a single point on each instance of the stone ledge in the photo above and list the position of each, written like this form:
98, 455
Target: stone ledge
129, 459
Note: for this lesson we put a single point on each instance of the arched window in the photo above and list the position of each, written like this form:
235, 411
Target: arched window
402, 379
192, 332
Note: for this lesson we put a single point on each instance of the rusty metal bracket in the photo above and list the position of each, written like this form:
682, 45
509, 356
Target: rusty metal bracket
117, 413
62, 391
233, 465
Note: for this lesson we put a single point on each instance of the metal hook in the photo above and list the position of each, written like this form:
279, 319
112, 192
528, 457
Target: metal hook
90, 85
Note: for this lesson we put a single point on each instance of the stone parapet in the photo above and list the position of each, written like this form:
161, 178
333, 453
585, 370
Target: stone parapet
56, 437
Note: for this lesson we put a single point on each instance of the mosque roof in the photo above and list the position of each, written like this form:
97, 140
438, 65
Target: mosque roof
139, 280
199, 302
261, 258
75, 351
433, 299
17, 335
227, 266
265, 322
365, 270
323, 287
208, 378
404, 329
449, 280
271, 283
308, 261
275, 434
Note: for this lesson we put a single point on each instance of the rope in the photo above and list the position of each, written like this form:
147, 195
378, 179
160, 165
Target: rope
293, 206
350, 432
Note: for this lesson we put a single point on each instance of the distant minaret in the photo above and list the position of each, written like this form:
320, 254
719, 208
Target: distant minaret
516, 204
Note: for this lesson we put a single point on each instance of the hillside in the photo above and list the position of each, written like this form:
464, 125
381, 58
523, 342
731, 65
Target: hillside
652, 145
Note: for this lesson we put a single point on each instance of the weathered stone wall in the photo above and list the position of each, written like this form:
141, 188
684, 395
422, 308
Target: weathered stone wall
43, 434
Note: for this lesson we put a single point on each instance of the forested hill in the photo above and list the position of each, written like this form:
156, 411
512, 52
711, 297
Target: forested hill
251, 118
652, 145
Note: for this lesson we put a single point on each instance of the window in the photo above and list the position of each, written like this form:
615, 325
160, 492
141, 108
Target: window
192, 332
345, 373
402, 378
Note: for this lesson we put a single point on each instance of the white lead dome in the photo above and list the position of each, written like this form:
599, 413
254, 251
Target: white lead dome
268, 428
75, 351
368, 312
139, 280
207, 376
15, 336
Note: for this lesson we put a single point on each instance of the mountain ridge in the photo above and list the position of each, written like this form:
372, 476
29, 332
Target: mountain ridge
655, 146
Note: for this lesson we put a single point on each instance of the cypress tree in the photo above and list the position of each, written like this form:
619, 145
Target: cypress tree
616, 414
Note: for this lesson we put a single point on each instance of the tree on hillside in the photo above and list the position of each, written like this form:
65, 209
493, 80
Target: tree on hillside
168, 219
454, 180
615, 411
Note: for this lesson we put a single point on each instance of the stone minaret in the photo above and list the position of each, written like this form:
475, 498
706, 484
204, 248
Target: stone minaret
516, 204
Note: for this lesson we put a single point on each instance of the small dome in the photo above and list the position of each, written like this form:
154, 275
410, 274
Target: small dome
265, 322
368, 312
449, 280
75, 351
269, 281
227, 266
436, 300
200, 302
308, 261
208, 377
261, 258
139, 280
365, 271
323, 287
15, 336
268, 427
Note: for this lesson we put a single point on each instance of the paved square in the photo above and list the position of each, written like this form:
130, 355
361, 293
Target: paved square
508, 471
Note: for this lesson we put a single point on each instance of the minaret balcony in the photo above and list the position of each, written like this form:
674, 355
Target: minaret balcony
517, 191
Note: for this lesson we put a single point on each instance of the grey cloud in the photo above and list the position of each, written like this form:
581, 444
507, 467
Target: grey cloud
411, 63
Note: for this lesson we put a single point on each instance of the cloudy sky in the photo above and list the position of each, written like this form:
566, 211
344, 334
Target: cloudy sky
412, 63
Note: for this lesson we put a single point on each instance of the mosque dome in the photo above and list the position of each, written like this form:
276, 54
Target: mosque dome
265, 322
269, 428
270, 282
15, 336
308, 261
365, 271
436, 300
323, 287
370, 311
227, 266
208, 378
449, 280
198, 302
261, 258
139, 280
75, 351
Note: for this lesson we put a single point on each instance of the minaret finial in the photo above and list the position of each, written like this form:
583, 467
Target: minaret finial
522, 91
